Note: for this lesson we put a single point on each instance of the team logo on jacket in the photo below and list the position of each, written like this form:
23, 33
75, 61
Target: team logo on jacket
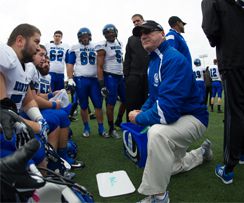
155, 80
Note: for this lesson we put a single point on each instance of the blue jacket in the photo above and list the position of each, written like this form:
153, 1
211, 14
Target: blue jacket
177, 41
172, 89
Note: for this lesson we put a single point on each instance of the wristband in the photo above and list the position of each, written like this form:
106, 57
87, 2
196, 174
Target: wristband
54, 105
50, 95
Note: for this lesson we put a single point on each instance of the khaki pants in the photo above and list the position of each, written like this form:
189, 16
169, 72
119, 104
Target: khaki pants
167, 145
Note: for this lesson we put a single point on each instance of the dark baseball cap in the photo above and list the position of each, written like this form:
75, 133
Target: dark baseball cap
174, 19
147, 27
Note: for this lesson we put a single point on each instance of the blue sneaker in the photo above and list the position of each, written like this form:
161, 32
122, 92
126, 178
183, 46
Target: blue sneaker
241, 161
220, 172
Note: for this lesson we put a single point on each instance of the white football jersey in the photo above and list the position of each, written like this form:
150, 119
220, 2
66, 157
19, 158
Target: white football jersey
85, 60
41, 83
32, 74
114, 56
199, 70
45, 83
16, 78
57, 54
214, 73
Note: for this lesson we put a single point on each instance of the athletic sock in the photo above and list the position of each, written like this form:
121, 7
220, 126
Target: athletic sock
62, 152
100, 128
86, 126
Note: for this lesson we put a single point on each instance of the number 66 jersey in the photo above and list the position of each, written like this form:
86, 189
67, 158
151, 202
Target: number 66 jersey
83, 57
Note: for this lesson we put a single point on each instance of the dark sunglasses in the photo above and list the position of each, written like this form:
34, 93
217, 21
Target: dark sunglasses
148, 31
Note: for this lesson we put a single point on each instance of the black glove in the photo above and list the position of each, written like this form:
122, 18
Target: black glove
104, 90
14, 175
10, 122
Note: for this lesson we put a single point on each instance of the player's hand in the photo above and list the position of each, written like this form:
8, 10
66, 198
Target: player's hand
22, 134
132, 116
44, 128
59, 105
104, 92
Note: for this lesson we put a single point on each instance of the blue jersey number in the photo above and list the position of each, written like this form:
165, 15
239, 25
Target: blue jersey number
213, 72
44, 88
56, 55
84, 58
118, 56
197, 74
16, 98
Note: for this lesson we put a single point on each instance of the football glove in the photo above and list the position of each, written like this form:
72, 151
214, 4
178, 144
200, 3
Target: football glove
23, 135
71, 84
104, 90
44, 129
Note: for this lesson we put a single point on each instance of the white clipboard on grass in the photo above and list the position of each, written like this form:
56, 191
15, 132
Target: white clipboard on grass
114, 184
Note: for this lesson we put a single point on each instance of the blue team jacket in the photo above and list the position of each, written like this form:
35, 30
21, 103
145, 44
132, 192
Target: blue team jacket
172, 89
179, 43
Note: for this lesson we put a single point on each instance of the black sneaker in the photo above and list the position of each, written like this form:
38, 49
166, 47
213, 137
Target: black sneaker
73, 118
92, 116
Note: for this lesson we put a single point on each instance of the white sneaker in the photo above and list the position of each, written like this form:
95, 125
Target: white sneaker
114, 134
86, 133
208, 153
154, 199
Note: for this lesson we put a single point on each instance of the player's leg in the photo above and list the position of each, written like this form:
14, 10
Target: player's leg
82, 90
96, 98
219, 92
214, 91
121, 93
111, 83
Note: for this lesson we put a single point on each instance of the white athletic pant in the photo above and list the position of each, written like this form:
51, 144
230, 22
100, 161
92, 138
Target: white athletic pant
166, 148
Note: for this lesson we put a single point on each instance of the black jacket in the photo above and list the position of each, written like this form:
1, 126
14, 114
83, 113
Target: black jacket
223, 24
136, 58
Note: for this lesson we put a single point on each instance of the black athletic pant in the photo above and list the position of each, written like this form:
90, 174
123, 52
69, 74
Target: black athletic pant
136, 91
208, 93
234, 117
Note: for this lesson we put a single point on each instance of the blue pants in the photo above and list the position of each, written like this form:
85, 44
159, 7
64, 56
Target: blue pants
57, 81
8, 147
116, 87
88, 87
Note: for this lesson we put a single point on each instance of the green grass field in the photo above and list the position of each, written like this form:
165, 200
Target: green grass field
198, 185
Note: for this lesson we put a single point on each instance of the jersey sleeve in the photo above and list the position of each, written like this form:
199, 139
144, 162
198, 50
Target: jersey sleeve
8, 58
100, 46
71, 58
